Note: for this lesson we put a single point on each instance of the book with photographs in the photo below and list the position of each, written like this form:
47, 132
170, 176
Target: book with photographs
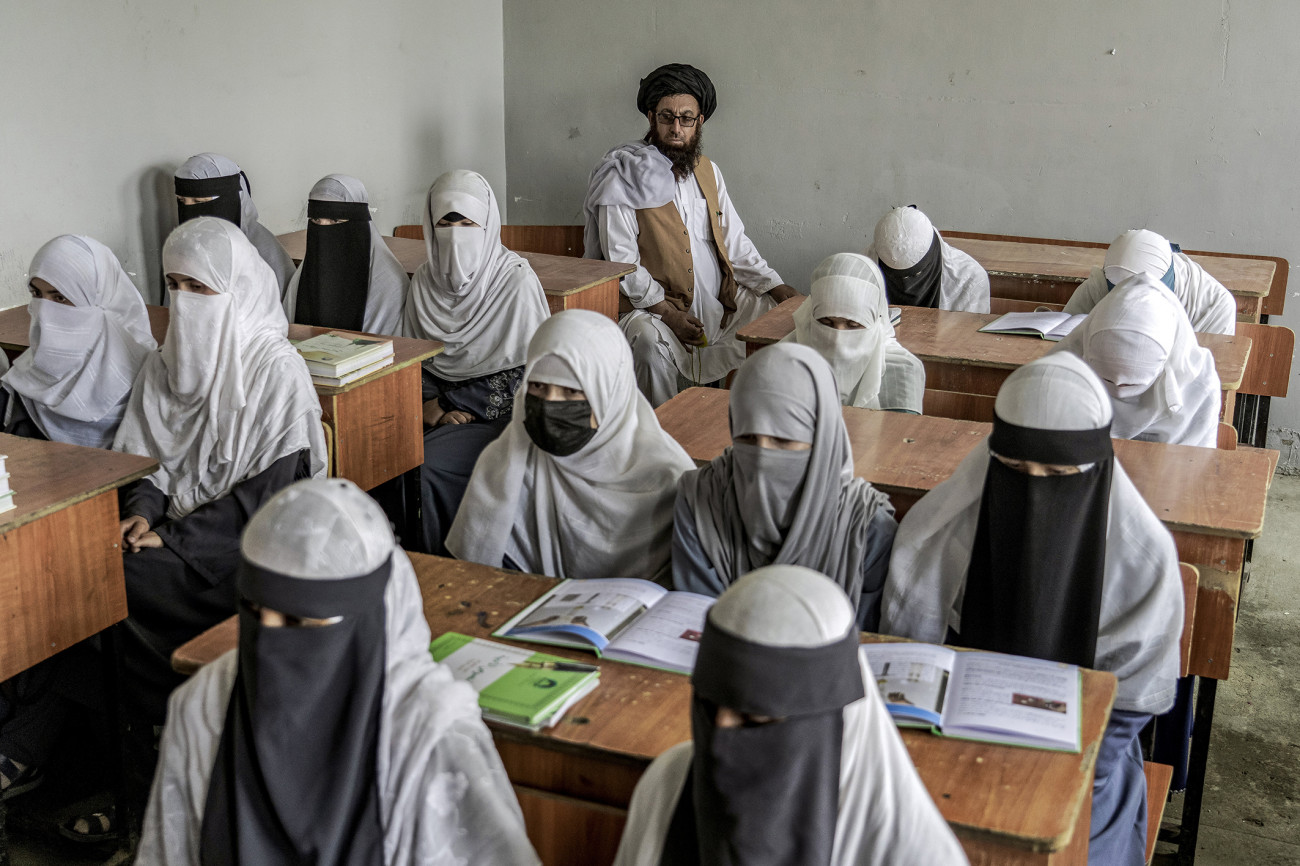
337, 353
515, 686
984, 696
620, 618
1049, 326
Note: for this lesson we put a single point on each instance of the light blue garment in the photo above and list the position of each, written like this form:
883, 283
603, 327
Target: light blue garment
1118, 835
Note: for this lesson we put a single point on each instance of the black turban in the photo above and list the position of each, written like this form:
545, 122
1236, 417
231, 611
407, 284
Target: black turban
672, 79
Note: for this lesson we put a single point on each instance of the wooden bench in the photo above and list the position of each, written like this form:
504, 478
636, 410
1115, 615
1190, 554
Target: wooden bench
1158, 777
574, 781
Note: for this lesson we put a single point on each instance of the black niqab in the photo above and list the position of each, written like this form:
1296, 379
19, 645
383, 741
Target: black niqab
226, 205
295, 776
917, 286
672, 79
335, 281
768, 793
1034, 584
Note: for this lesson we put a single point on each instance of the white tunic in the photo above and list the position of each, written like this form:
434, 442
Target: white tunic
1209, 305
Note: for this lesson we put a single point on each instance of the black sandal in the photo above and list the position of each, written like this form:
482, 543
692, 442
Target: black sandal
19, 781
90, 829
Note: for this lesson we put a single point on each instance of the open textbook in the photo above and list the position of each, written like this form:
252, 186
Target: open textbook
1049, 326
983, 696
621, 618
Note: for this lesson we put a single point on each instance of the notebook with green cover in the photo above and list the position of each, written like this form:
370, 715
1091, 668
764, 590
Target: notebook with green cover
529, 698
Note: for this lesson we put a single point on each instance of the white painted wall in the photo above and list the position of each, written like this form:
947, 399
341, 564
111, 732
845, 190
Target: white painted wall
101, 101
1011, 117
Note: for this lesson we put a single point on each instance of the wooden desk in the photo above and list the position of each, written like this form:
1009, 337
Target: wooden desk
61, 576
964, 368
575, 780
570, 283
377, 422
1038, 272
1211, 500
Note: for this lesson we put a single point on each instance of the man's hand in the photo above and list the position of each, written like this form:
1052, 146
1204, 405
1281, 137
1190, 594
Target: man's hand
684, 326
456, 416
782, 292
136, 535
432, 413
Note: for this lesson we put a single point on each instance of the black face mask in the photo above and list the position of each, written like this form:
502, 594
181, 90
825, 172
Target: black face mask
225, 206
559, 427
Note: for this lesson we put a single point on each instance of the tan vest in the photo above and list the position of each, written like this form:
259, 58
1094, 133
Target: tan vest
665, 247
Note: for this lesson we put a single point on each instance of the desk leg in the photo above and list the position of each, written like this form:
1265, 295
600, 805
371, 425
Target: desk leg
414, 527
1196, 764
4, 834
127, 795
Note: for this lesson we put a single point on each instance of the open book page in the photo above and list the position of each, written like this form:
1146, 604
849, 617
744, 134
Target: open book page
1011, 699
591, 611
1051, 326
666, 636
1061, 331
912, 677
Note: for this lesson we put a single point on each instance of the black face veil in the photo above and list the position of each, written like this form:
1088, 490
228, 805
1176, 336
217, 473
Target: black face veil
917, 286
335, 281
226, 205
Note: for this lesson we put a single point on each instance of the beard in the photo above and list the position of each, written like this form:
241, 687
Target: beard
684, 159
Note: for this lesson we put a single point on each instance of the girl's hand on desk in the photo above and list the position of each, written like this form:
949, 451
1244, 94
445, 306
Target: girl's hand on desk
432, 413
136, 534
456, 416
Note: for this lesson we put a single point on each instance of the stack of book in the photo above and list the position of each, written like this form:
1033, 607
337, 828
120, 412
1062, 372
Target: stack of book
515, 686
6, 495
338, 357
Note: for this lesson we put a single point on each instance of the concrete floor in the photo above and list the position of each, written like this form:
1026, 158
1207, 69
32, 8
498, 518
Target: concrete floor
1251, 813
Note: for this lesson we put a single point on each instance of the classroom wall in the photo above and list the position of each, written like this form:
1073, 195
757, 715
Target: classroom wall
103, 101
1019, 117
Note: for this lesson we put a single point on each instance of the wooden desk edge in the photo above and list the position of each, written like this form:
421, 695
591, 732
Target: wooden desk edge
121, 481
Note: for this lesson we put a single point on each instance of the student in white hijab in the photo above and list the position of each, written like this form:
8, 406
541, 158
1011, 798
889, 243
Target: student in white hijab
846, 320
784, 492
1210, 307
389, 761
484, 303
581, 483
89, 335
1043, 505
798, 760
209, 184
921, 269
1162, 384
349, 278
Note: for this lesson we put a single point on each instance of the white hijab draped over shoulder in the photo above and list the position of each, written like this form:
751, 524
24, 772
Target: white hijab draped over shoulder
872, 369
228, 395
386, 297
604, 511
635, 175
444, 795
75, 378
885, 815
205, 165
482, 301
1141, 614
1163, 385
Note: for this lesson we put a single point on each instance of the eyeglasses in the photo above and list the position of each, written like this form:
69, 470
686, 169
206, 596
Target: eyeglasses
686, 120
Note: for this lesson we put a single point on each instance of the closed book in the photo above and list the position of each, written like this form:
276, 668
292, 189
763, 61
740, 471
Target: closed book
4, 482
348, 378
7, 501
525, 697
338, 353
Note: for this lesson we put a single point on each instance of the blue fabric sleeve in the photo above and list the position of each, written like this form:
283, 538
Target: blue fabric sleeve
692, 571
880, 544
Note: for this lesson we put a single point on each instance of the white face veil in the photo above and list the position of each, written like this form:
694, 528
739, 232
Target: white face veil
481, 300
228, 395
556, 515
75, 377
858, 355
882, 813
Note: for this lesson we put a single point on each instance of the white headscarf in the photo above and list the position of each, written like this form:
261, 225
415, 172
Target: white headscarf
1162, 384
204, 165
481, 300
1142, 602
635, 174
443, 792
75, 377
885, 814
228, 395
901, 239
1137, 251
604, 511
386, 296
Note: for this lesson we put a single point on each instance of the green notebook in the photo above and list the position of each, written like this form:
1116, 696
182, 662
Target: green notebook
525, 697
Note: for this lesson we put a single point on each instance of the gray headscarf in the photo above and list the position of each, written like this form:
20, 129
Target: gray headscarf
755, 506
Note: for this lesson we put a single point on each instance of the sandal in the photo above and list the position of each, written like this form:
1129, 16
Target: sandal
18, 778
90, 829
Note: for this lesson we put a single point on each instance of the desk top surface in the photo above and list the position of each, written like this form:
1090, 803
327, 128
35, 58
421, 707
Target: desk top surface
15, 323
48, 476
559, 275
951, 337
1241, 276
1207, 491
639, 713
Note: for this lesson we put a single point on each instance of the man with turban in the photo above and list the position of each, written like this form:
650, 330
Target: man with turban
660, 203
